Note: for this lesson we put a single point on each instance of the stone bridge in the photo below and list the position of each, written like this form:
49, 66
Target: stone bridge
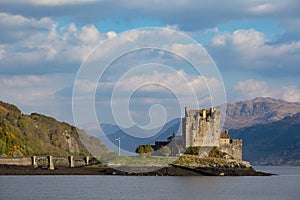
49, 161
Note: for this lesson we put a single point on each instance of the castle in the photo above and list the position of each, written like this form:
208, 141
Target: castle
201, 128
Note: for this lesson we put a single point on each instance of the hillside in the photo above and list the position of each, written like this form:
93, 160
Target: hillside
36, 134
275, 143
258, 111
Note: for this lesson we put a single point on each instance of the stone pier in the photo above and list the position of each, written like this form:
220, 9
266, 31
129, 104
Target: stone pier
87, 160
34, 162
50, 163
71, 161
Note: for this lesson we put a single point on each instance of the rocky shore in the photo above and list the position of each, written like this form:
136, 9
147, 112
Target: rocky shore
171, 170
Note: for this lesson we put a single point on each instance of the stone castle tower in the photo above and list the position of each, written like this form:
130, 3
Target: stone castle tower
201, 128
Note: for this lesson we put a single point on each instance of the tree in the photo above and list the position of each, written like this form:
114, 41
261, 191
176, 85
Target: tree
148, 148
144, 150
140, 149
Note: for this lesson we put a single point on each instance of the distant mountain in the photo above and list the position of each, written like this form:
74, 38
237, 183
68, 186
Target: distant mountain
275, 143
258, 111
36, 134
133, 137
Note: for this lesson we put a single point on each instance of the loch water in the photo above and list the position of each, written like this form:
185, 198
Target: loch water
285, 185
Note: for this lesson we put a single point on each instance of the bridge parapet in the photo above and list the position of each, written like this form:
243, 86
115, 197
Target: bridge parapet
48, 161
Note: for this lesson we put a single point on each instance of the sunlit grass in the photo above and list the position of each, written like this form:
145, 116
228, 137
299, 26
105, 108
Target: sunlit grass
142, 161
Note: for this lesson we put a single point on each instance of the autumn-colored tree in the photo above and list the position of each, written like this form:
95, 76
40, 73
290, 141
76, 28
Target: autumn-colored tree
140, 149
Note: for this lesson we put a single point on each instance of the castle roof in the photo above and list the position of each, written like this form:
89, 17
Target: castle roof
224, 135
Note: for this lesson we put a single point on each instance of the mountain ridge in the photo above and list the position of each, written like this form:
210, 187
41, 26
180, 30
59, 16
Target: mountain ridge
261, 110
276, 143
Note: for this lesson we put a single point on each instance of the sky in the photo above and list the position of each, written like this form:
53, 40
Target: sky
54, 56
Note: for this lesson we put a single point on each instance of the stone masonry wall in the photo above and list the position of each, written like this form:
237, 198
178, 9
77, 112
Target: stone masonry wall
23, 161
201, 127
234, 148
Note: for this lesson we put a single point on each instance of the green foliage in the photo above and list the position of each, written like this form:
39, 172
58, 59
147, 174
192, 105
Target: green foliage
29, 151
216, 153
12, 117
195, 161
22, 123
2, 147
37, 134
192, 150
79, 154
148, 148
144, 149
140, 149
10, 107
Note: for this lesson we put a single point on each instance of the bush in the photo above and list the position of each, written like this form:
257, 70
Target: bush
144, 150
2, 147
192, 150
22, 123
148, 148
140, 149
215, 152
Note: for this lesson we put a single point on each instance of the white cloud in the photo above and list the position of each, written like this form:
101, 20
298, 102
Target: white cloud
2, 51
291, 93
262, 8
111, 34
36, 93
89, 35
180, 82
219, 40
186, 50
171, 89
39, 47
252, 88
251, 50
240, 39
52, 2
16, 27
30, 89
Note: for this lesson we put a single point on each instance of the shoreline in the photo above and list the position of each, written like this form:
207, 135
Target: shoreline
171, 170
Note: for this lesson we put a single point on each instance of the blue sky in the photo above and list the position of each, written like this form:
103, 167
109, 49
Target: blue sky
254, 44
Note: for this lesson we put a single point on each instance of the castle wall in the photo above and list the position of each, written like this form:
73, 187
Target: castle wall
224, 141
201, 127
233, 148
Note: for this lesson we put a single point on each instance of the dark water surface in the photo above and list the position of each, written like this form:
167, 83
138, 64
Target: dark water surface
285, 186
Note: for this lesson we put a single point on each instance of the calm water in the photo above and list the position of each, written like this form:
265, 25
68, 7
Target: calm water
285, 186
